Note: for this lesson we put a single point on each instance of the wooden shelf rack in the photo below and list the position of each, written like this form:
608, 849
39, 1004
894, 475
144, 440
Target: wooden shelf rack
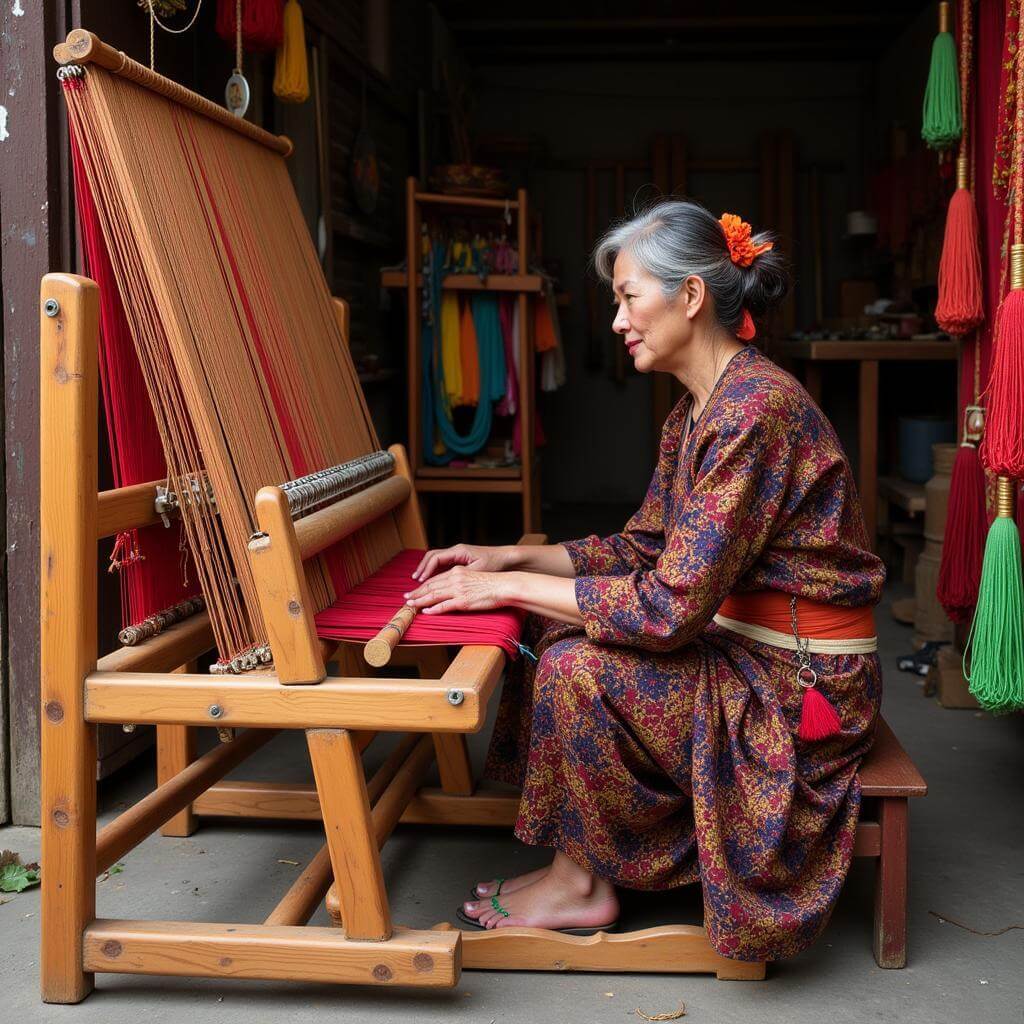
522, 479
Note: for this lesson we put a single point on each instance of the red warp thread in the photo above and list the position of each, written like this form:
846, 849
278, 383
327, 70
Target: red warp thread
1002, 450
818, 719
963, 545
960, 308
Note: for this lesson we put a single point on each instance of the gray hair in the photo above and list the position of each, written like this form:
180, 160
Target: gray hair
676, 239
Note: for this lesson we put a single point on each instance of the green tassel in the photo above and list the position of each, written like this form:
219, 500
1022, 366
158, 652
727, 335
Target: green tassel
941, 125
996, 641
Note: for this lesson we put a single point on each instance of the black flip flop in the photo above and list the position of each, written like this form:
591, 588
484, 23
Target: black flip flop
583, 932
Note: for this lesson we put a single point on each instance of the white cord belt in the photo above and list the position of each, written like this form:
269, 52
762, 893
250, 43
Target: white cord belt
772, 637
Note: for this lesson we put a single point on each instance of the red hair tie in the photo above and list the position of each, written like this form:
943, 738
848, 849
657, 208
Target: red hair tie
742, 250
746, 329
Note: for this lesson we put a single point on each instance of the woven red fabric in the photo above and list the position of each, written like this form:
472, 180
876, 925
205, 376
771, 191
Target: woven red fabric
366, 608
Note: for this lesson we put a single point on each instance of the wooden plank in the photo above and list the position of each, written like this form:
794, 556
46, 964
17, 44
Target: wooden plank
235, 798
283, 592
470, 282
68, 395
259, 701
468, 485
355, 856
441, 199
888, 770
129, 828
669, 949
487, 806
841, 350
425, 959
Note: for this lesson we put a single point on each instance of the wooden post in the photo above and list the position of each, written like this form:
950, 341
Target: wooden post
68, 392
526, 370
359, 880
867, 482
175, 751
284, 594
412, 312
890, 933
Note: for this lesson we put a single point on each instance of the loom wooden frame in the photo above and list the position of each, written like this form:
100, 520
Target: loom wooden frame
156, 683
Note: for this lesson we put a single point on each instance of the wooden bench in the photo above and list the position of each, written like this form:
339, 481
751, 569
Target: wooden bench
888, 779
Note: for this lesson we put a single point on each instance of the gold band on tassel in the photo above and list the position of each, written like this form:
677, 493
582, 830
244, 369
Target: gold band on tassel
962, 172
944, 16
1006, 497
1017, 265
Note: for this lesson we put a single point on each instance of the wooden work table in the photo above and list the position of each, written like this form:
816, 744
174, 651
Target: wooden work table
811, 354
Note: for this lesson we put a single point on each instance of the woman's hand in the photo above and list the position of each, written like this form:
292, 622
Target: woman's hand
460, 589
472, 556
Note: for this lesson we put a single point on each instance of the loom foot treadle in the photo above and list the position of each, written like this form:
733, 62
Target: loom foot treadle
669, 949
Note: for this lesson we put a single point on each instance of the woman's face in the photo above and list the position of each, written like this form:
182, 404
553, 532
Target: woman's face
655, 330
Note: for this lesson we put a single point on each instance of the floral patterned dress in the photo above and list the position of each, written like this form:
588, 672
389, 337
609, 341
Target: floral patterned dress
654, 747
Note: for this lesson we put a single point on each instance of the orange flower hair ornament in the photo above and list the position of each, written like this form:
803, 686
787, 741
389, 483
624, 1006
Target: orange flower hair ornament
742, 250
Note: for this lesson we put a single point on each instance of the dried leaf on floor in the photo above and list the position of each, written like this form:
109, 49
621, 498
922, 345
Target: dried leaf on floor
674, 1015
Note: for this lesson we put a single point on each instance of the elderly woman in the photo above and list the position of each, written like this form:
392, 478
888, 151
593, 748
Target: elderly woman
707, 684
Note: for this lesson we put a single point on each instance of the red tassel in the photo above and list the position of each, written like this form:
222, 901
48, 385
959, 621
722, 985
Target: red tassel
1002, 450
960, 308
262, 23
963, 546
818, 719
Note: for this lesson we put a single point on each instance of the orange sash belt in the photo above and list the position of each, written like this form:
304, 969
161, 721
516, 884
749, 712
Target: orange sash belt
770, 609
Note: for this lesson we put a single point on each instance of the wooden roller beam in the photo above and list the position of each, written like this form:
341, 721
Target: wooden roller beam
320, 529
424, 959
127, 830
175, 646
128, 508
83, 47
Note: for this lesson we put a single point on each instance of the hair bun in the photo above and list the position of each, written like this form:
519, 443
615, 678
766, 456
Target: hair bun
766, 280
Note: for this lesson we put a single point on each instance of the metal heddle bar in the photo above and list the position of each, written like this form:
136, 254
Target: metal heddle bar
311, 490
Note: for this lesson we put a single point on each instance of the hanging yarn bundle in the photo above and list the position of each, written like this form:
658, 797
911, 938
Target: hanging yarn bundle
262, 27
960, 306
995, 646
963, 544
959, 311
941, 124
291, 72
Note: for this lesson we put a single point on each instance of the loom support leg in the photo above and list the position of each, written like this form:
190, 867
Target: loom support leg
355, 858
68, 395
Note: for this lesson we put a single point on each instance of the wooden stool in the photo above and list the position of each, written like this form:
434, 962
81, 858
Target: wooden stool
888, 779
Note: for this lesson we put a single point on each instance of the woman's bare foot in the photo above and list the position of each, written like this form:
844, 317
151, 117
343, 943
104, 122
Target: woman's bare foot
485, 890
565, 897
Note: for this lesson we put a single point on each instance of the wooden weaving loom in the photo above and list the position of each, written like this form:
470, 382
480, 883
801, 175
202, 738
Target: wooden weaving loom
264, 573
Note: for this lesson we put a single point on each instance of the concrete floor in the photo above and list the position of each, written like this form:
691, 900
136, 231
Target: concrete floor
967, 842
